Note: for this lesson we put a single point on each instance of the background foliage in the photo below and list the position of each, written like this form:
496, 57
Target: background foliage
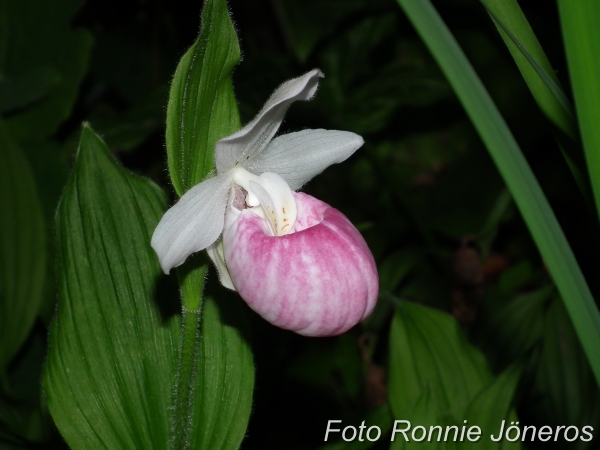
423, 191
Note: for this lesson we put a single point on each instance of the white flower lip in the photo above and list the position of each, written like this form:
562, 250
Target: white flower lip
196, 221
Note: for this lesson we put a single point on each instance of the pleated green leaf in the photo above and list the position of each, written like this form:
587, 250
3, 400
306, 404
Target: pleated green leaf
22, 249
225, 378
580, 22
493, 405
202, 107
437, 378
429, 353
517, 174
113, 343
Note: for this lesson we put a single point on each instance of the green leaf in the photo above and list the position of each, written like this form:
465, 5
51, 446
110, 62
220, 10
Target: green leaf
437, 379
215, 374
202, 107
429, 353
533, 63
562, 385
113, 344
22, 249
517, 174
581, 31
225, 377
50, 165
493, 405
541, 80
510, 326
37, 38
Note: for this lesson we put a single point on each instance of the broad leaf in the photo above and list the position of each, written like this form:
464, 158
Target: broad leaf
563, 389
437, 379
22, 249
225, 378
493, 405
430, 352
202, 107
112, 346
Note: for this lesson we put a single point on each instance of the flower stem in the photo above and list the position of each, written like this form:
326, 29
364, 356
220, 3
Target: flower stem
192, 284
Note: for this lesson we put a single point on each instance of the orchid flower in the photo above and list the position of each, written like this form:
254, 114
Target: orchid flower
295, 260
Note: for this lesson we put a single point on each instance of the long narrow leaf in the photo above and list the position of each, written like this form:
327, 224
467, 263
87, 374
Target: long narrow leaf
542, 81
533, 63
516, 172
581, 30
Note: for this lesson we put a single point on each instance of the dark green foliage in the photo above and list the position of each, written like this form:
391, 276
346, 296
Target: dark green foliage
443, 228
112, 356
42, 61
23, 250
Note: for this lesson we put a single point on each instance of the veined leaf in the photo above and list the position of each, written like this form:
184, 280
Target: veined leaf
112, 346
438, 379
517, 174
430, 353
493, 405
22, 249
202, 107
215, 374
225, 378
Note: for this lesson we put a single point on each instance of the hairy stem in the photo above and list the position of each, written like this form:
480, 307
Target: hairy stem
192, 284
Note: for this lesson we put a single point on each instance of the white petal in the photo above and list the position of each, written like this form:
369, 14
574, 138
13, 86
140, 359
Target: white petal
252, 139
193, 223
277, 202
297, 157
216, 254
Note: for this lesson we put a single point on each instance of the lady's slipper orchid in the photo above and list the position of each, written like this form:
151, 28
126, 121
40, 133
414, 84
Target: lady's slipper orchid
295, 260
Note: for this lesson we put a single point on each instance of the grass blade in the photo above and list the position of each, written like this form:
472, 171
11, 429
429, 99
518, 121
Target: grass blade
533, 63
542, 82
516, 172
580, 22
